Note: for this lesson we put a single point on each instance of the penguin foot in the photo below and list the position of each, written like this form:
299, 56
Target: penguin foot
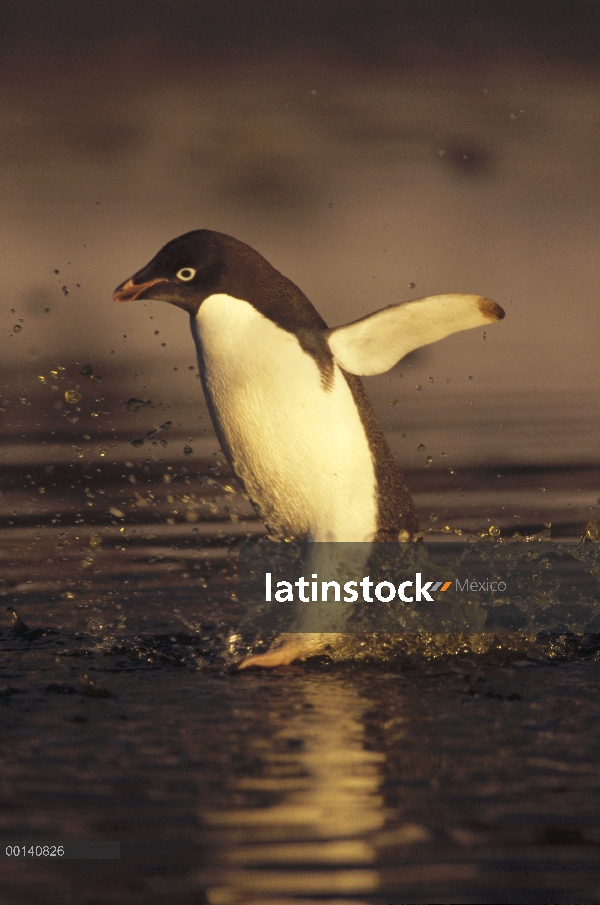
287, 648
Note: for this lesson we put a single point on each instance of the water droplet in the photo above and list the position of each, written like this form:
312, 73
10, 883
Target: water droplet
87, 371
494, 531
79, 452
95, 626
133, 404
187, 450
591, 529
394, 401
65, 291
420, 447
433, 517
101, 452
73, 397
95, 540
428, 461
431, 379
17, 328
419, 387
403, 536
411, 285
41, 378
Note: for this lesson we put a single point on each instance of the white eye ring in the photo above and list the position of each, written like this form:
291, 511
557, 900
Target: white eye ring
186, 274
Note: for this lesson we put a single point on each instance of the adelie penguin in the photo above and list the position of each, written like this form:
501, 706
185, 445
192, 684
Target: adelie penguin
285, 395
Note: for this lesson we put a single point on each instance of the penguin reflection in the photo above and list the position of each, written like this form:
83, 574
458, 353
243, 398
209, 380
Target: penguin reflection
329, 806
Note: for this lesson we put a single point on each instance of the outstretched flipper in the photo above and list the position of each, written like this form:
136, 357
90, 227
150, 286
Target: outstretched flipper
376, 342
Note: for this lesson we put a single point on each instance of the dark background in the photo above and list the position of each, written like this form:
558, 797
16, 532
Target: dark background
373, 151
376, 33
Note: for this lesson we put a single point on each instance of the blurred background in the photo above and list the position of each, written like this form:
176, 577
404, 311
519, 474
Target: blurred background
373, 152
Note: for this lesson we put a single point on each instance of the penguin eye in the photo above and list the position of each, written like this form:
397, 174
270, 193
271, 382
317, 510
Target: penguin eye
186, 274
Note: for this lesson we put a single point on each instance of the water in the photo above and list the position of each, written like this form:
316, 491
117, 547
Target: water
462, 780
453, 770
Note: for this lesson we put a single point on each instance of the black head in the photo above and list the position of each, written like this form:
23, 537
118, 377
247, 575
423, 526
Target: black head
201, 263
184, 272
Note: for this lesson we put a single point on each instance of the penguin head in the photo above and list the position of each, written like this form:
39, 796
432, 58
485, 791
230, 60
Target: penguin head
201, 263
184, 272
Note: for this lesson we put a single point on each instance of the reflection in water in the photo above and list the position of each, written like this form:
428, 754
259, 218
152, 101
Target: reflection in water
313, 841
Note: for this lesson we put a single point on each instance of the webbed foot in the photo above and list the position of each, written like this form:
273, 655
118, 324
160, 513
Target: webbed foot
289, 647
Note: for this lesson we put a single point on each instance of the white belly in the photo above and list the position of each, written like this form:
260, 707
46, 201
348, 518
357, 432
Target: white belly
300, 450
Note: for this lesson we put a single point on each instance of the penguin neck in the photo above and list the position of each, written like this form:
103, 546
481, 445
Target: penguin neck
247, 275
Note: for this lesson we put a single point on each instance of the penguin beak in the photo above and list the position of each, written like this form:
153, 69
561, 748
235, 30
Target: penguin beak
128, 291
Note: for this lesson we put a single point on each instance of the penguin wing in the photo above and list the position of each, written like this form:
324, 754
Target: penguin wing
375, 343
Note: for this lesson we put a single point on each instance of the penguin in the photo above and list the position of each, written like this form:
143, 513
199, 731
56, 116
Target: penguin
285, 395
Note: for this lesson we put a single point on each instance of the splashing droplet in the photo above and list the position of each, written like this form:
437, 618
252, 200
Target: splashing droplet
133, 404
95, 626
494, 531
